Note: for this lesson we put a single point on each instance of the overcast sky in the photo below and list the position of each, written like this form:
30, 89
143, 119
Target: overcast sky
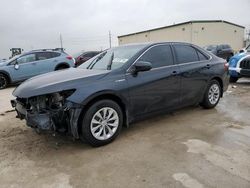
84, 24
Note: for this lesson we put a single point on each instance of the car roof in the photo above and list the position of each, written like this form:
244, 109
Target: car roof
155, 43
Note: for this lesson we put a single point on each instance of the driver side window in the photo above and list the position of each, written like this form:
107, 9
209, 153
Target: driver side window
159, 56
26, 58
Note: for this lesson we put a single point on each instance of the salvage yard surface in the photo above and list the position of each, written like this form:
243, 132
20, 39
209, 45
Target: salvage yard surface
189, 148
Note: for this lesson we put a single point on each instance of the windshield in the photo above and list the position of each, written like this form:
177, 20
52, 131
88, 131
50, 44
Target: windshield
113, 58
211, 47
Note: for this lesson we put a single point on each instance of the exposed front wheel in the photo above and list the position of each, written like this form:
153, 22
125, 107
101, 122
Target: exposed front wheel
3, 81
212, 95
102, 123
233, 79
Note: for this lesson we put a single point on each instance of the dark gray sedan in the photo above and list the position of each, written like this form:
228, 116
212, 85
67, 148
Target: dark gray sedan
119, 86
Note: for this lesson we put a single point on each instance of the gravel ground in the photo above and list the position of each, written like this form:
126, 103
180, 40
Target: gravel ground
189, 148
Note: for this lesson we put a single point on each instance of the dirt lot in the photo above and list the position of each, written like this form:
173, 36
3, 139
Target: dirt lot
189, 148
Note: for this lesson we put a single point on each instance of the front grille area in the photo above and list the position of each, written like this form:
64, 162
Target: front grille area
245, 64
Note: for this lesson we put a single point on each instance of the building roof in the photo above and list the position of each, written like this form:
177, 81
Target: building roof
184, 23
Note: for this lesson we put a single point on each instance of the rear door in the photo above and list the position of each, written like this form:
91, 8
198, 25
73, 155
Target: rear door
194, 71
158, 88
46, 62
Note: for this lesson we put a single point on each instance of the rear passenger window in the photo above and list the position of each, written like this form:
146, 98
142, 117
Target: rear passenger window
159, 56
42, 55
185, 54
201, 56
54, 54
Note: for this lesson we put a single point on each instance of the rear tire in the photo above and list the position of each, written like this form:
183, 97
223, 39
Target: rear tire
233, 79
3, 81
212, 95
102, 123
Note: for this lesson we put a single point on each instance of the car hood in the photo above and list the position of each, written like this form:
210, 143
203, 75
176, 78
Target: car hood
72, 78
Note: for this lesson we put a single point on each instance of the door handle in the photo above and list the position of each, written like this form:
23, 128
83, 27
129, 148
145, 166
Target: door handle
174, 73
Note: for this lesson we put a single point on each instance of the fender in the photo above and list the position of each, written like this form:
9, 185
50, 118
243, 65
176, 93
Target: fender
110, 93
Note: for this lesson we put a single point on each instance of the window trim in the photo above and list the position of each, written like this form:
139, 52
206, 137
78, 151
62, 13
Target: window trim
128, 71
196, 49
137, 59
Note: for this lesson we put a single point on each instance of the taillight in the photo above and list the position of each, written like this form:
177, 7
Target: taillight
226, 66
69, 57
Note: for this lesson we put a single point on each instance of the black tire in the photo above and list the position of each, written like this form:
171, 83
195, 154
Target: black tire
206, 103
233, 79
89, 116
3, 81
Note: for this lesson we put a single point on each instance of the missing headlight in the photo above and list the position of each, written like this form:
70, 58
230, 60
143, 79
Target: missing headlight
49, 102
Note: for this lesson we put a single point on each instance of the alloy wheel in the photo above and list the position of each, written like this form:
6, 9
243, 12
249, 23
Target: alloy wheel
104, 123
214, 94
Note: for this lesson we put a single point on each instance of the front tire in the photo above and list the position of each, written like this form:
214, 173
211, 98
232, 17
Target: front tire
3, 81
212, 95
102, 123
233, 79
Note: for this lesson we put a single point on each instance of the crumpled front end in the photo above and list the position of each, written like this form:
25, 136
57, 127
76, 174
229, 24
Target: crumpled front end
50, 112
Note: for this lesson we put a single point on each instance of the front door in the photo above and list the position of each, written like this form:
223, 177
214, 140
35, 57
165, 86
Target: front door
23, 67
158, 88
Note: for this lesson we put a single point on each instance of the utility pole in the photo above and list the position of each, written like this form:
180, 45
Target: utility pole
110, 39
61, 41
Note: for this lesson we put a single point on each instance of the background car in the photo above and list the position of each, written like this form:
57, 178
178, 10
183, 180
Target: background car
85, 56
223, 50
120, 86
239, 65
33, 63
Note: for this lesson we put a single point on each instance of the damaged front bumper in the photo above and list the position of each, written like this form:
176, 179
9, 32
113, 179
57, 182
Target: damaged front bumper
62, 119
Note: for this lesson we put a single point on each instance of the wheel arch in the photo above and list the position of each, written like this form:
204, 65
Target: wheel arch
63, 64
102, 96
7, 75
220, 82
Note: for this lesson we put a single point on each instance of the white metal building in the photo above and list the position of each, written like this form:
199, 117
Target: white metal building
202, 33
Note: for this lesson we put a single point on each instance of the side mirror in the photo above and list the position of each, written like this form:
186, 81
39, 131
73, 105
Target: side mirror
242, 51
141, 66
16, 66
